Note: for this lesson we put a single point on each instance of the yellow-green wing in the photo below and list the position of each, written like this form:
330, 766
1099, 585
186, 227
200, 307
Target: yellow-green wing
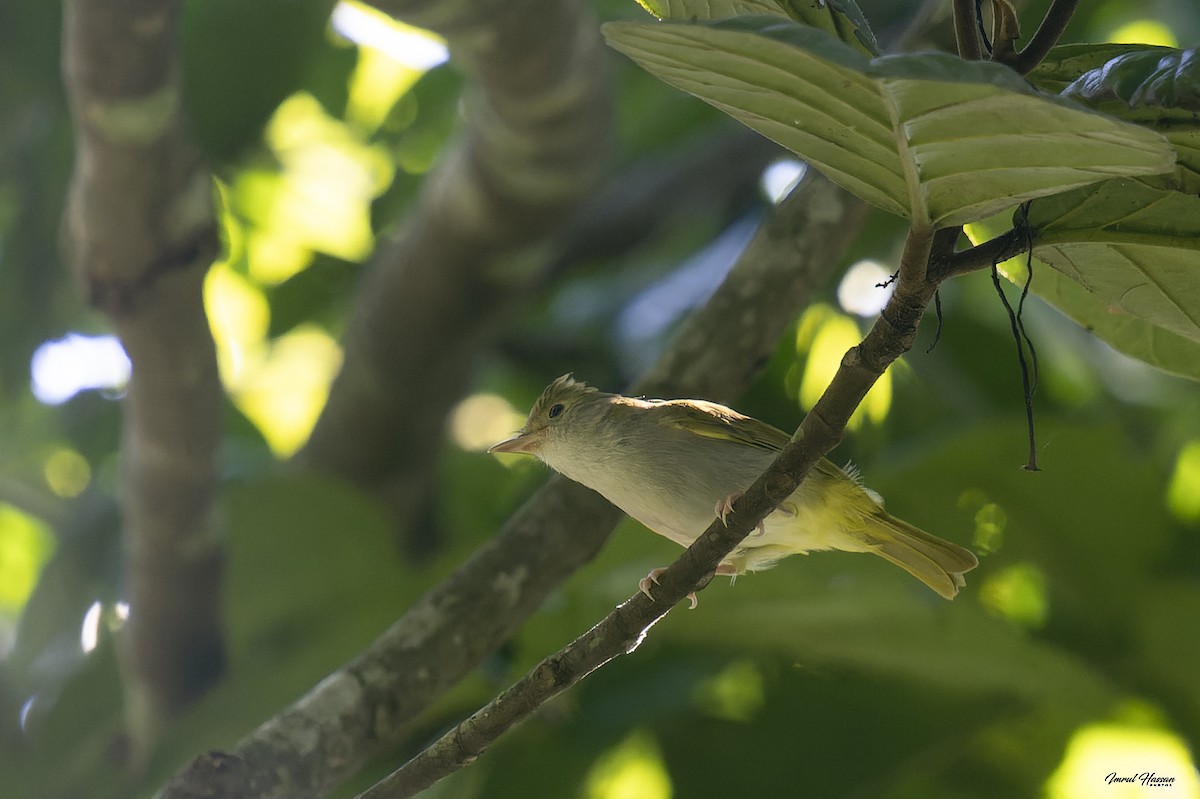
711, 420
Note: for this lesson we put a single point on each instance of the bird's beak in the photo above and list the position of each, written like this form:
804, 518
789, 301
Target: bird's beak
525, 443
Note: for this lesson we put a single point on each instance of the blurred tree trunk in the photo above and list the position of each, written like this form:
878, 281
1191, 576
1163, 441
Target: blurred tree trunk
141, 234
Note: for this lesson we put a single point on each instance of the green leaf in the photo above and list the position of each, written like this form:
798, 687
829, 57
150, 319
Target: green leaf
1127, 334
930, 137
1135, 248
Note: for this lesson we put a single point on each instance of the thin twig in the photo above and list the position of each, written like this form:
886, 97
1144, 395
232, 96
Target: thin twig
980, 257
1045, 37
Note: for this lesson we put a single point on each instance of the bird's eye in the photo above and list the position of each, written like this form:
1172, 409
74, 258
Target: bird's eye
555, 410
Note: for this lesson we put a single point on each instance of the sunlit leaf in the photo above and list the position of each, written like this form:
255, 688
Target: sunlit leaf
929, 136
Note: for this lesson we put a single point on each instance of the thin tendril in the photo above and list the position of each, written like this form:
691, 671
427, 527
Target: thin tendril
1021, 338
1025, 292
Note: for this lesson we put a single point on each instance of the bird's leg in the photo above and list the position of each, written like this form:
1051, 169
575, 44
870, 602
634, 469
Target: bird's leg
723, 509
652, 579
729, 570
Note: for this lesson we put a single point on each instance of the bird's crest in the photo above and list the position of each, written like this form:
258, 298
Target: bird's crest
565, 387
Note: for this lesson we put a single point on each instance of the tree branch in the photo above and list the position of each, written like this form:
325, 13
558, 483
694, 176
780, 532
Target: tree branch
1047, 35
352, 713
141, 232
538, 139
623, 629
982, 256
966, 30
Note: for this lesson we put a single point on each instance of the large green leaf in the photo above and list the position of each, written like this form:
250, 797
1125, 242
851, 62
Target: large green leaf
929, 136
1097, 254
1130, 335
1134, 248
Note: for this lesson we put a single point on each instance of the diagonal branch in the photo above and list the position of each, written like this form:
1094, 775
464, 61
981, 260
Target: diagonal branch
356, 710
141, 232
622, 630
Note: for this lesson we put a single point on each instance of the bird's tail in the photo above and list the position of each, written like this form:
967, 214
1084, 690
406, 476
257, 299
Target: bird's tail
934, 561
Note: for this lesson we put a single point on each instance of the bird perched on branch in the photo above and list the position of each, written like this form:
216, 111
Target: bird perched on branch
674, 464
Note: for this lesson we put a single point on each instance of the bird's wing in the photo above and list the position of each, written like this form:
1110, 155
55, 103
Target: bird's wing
711, 420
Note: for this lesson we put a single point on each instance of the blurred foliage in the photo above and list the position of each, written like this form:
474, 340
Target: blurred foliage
1071, 654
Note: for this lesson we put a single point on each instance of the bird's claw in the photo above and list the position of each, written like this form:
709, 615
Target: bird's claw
652, 579
725, 507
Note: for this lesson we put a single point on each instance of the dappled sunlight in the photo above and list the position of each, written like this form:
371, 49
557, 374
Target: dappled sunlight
481, 420
285, 385
239, 316
735, 694
1144, 31
272, 256
990, 520
1125, 760
633, 769
780, 177
391, 57
1183, 494
1018, 594
99, 618
67, 472
25, 546
824, 336
328, 181
63, 367
414, 48
865, 288
281, 384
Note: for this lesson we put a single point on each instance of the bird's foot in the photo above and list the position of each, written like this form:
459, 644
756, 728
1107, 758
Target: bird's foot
652, 579
725, 506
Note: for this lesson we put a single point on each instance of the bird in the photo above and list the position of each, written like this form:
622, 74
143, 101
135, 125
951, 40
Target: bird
675, 464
